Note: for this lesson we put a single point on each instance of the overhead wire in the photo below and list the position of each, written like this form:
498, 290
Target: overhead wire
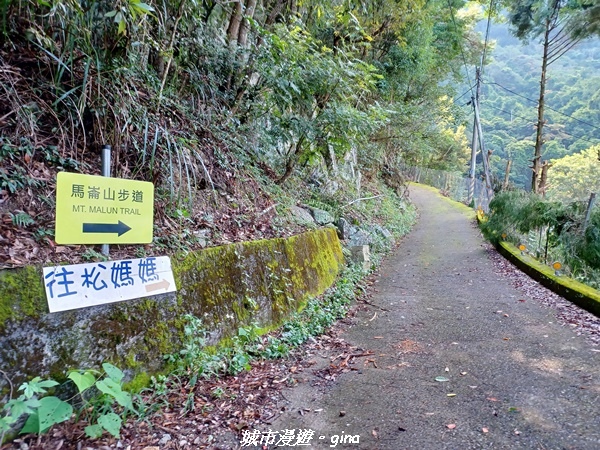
465, 93
577, 138
483, 58
462, 52
546, 106
487, 35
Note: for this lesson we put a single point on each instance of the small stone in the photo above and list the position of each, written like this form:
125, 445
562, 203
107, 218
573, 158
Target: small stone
359, 237
383, 232
197, 440
165, 438
342, 413
343, 227
361, 255
183, 443
301, 215
320, 216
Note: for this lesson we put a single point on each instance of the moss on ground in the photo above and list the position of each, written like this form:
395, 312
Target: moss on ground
467, 210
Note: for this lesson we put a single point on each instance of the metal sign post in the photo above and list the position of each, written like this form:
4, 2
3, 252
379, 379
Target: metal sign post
105, 173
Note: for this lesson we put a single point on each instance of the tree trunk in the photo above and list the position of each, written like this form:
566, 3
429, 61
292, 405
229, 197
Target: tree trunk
291, 162
276, 9
539, 141
244, 26
234, 22
289, 168
543, 178
507, 175
209, 7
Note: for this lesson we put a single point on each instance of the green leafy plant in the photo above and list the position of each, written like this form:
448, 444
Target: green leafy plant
104, 403
107, 389
554, 230
52, 155
218, 392
41, 234
42, 413
16, 178
92, 255
21, 219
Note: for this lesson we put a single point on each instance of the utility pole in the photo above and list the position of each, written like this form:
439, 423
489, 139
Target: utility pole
588, 213
478, 141
484, 156
474, 144
507, 174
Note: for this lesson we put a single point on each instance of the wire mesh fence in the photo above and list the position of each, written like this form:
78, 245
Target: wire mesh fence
453, 184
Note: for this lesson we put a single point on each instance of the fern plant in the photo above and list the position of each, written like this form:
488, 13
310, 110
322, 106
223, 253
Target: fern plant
21, 219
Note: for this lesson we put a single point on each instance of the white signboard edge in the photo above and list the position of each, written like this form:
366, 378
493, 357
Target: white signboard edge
101, 288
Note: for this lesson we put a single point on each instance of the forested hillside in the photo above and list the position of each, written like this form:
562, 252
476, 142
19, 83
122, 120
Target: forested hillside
510, 91
237, 110
220, 104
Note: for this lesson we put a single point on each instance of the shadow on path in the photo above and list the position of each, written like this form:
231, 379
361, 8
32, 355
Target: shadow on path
516, 378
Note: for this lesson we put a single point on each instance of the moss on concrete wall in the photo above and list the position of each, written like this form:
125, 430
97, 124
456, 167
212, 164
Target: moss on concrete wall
227, 287
574, 291
21, 295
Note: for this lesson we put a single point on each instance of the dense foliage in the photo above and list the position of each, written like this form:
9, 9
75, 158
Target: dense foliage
574, 177
551, 230
509, 101
176, 87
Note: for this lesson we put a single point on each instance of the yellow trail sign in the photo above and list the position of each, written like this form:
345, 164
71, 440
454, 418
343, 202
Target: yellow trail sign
102, 210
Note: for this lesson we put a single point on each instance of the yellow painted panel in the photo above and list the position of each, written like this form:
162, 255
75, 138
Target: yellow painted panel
103, 210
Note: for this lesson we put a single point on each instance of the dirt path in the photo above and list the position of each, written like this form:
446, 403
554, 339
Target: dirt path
516, 378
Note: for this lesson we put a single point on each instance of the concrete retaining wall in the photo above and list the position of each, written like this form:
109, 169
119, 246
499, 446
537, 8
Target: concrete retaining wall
227, 286
574, 291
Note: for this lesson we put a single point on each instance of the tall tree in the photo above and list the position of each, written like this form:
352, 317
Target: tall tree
561, 24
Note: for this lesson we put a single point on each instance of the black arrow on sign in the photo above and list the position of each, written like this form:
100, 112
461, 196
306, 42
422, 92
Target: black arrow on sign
119, 228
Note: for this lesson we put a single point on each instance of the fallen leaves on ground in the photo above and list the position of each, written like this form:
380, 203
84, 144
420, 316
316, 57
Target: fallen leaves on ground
213, 413
568, 314
408, 346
